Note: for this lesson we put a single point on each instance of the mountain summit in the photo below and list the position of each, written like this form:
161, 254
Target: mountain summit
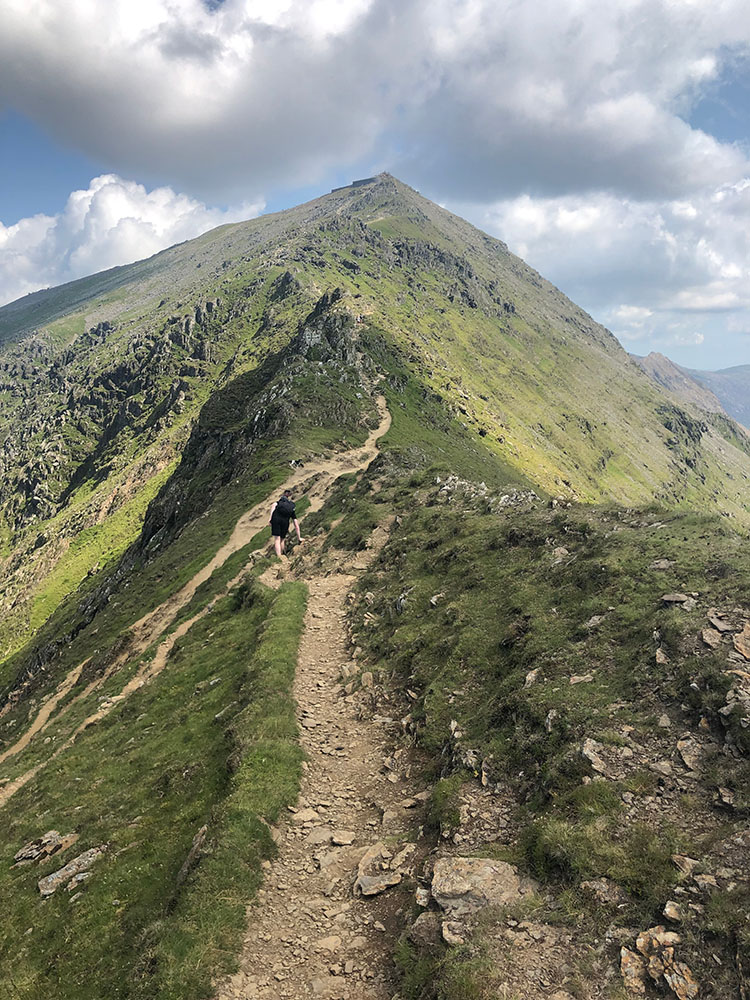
522, 658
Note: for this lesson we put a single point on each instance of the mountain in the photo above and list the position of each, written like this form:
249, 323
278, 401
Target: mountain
679, 381
103, 377
723, 391
523, 568
732, 387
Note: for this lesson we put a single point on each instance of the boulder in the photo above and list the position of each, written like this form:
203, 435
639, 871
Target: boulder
681, 980
304, 816
633, 971
719, 624
464, 885
711, 637
425, 932
674, 911
592, 751
690, 751
319, 835
605, 891
685, 864
330, 944
657, 945
454, 933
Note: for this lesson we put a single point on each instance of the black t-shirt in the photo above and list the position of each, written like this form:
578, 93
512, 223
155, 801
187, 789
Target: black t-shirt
283, 512
284, 509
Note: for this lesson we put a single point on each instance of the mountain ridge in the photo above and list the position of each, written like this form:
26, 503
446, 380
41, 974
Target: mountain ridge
523, 368
533, 596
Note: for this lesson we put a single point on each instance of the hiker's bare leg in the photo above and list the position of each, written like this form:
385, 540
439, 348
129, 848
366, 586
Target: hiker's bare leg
277, 544
283, 544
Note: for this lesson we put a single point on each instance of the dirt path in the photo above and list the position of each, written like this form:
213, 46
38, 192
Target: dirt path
311, 932
326, 471
45, 712
147, 630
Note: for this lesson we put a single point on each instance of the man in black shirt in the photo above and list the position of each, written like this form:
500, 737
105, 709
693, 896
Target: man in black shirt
282, 513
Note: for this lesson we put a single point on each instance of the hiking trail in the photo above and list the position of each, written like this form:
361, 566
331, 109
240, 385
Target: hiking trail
310, 933
147, 630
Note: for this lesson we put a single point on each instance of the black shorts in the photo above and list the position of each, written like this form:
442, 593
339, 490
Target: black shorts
280, 526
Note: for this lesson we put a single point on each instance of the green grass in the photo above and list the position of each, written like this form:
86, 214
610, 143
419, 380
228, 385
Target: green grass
443, 974
443, 814
203, 933
507, 609
99, 544
211, 502
144, 781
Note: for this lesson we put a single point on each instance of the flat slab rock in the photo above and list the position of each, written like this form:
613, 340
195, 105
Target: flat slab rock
67, 874
44, 847
375, 872
464, 885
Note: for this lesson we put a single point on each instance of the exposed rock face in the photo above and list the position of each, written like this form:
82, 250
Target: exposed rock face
657, 946
464, 885
264, 402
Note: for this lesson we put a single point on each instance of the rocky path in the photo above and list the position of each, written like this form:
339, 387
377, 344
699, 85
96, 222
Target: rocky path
311, 931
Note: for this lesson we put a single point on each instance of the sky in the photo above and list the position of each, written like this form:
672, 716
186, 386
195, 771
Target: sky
606, 144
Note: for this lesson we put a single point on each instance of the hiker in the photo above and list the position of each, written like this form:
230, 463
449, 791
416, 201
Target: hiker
282, 513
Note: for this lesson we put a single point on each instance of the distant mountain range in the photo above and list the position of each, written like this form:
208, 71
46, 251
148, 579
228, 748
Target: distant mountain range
724, 391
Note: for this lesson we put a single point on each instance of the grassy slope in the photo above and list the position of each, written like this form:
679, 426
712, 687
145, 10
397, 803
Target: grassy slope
160, 766
174, 943
505, 610
132, 464
553, 394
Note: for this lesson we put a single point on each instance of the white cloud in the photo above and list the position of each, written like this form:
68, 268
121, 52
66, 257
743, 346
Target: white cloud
112, 222
458, 95
666, 273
